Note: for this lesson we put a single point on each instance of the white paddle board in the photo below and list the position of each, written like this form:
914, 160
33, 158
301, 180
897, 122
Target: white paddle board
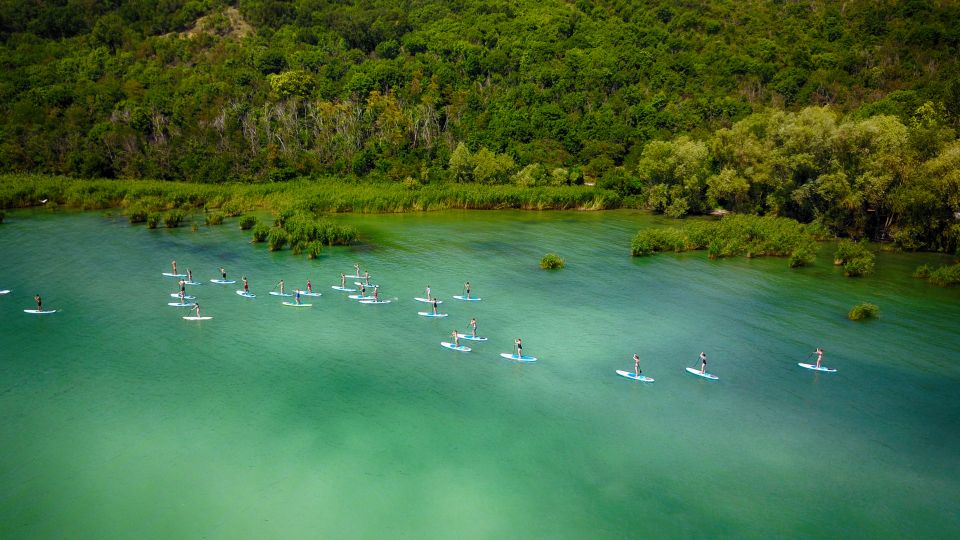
461, 348
294, 304
426, 301
375, 301
464, 298
246, 294
815, 368
39, 312
305, 293
171, 274
519, 358
277, 293
471, 338
367, 285
223, 281
696, 372
5, 291
359, 297
185, 297
631, 375
430, 314
194, 318
178, 304
342, 289
191, 283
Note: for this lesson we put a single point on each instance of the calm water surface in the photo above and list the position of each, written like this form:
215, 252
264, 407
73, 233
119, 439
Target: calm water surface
119, 419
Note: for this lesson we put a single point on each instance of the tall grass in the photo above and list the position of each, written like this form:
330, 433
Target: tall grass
864, 310
750, 236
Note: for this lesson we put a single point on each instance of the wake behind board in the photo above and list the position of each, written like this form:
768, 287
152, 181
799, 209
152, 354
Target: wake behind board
39, 312
374, 301
178, 304
425, 301
633, 376
428, 314
471, 338
275, 293
451, 346
185, 297
171, 274
342, 289
696, 372
223, 281
518, 358
197, 318
465, 299
294, 304
815, 368
246, 294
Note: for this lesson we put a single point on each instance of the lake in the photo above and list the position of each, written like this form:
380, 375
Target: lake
121, 420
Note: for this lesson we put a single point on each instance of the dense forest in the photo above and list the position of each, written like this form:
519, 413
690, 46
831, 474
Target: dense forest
845, 113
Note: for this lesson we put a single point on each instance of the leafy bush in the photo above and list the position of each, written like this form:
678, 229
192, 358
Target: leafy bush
314, 249
276, 239
137, 213
552, 261
862, 311
173, 218
247, 222
213, 218
946, 276
153, 220
922, 271
260, 232
855, 257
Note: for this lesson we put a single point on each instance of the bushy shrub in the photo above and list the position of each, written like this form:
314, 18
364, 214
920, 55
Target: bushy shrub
946, 276
922, 271
862, 311
277, 239
552, 261
247, 222
314, 249
137, 213
213, 218
153, 220
260, 232
172, 219
855, 257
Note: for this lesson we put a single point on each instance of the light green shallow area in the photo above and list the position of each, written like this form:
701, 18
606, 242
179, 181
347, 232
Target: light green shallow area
121, 420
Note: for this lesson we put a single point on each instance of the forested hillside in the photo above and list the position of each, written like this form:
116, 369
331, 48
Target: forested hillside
515, 91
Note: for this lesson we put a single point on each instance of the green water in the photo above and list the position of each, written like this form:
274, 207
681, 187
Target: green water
120, 420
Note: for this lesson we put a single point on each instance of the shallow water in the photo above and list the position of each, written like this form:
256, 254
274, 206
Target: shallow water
119, 419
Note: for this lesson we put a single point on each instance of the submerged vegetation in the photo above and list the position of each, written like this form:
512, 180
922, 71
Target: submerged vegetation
945, 276
864, 310
750, 236
552, 261
855, 257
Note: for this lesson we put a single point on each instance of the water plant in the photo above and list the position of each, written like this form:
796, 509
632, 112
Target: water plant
946, 276
247, 222
552, 261
154, 219
173, 218
864, 310
260, 232
277, 239
213, 218
855, 257
922, 271
314, 249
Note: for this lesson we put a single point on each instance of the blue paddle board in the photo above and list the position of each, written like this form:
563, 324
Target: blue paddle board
464, 298
305, 293
294, 304
342, 289
171, 274
631, 375
223, 281
519, 358
696, 372
471, 338
430, 314
246, 294
424, 300
178, 304
374, 301
815, 368
451, 346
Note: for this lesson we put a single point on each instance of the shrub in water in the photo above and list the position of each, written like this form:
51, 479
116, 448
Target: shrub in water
260, 232
277, 239
946, 276
137, 213
314, 249
865, 310
213, 218
153, 220
551, 261
247, 222
194, 227
172, 219
856, 258
922, 271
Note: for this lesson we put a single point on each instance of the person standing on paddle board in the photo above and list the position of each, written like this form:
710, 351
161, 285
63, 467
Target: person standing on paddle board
183, 288
39, 301
189, 274
703, 362
819, 353
636, 365
376, 293
196, 307
434, 306
296, 296
281, 286
428, 294
183, 297
343, 280
366, 277
456, 338
173, 264
223, 274
356, 266
246, 284
309, 287
466, 287
519, 345
473, 327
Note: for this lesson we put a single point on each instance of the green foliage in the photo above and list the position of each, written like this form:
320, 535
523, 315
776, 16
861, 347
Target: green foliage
173, 218
922, 271
213, 218
314, 249
946, 276
154, 219
247, 222
137, 213
276, 239
862, 311
552, 261
855, 257
260, 232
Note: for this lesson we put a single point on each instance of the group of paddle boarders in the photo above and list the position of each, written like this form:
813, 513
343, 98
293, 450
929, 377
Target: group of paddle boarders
703, 364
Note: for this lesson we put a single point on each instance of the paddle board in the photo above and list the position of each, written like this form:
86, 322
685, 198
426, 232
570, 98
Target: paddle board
696, 372
461, 348
171, 274
276, 293
518, 358
38, 312
424, 300
815, 368
185, 297
471, 338
430, 314
223, 281
294, 304
631, 375
359, 297
178, 304
5, 291
367, 285
305, 293
464, 298
375, 301
246, 294
191, 283
342, 289
197, 318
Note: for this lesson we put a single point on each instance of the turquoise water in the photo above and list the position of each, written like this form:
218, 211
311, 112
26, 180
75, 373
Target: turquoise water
119, 419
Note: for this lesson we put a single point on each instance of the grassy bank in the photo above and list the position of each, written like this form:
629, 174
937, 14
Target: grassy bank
142, 197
